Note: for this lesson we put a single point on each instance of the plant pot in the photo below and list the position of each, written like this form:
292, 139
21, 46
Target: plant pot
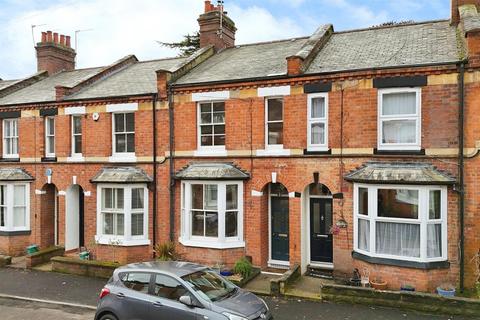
85, 255
446, 292
226, 273
379, 284
32, 249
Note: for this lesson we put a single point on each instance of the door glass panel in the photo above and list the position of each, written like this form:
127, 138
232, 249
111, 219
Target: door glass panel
136, 281
328, 218
316, 217
280, 215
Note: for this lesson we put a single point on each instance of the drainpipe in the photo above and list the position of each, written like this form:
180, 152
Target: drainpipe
155, 204
461, 188
172, 166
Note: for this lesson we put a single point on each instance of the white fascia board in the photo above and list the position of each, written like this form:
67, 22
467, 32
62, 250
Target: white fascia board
122, 107
274, 91
209, 96
75, 110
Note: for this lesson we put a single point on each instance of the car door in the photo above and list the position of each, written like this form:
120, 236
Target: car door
131, 296
165, 304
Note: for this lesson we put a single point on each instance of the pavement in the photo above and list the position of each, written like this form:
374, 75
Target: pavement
84, 291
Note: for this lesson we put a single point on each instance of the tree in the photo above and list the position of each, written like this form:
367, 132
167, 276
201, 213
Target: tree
187, 46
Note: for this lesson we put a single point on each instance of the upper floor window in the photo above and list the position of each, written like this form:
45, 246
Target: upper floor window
124, 132
399, 125
211, 125
274, 123
14, 207
10, 138
76, 135
49, 136
317, 129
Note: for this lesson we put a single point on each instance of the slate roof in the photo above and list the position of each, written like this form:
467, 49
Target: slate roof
399, 173
14, 174
44, 90
246, 61
211, 171
6, 83
139, 78
121, 175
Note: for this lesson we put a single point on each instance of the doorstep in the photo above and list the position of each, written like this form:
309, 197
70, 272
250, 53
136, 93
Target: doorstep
306, 287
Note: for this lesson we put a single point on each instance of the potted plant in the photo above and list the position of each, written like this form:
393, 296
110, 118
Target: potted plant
166, 251
356, 280
378, 283
407, 287
243, 267
446, 290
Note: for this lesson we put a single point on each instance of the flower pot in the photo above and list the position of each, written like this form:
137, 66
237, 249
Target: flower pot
226, 273
446, 292
379, 284
85, 255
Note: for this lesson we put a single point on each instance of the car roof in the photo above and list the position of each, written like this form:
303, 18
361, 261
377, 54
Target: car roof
177, 268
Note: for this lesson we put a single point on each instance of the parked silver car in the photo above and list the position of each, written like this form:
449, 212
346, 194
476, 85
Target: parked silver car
176, 290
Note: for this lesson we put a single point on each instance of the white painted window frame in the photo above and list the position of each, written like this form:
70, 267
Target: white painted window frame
10, 207
209, 150
220, 242
417, 117
423, 220
267, 122
73, 135
6, 153
312, 121
127, 239
49, 135
122, 156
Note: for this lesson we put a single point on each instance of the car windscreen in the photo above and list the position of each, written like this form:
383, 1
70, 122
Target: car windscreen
209, 285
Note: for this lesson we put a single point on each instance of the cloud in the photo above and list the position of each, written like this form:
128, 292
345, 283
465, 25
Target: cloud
357, 14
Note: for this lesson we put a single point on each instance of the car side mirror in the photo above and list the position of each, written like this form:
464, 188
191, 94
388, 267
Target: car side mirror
187, 300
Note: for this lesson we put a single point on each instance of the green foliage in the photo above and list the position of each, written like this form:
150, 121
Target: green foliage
187, 46
243, 267
166, 251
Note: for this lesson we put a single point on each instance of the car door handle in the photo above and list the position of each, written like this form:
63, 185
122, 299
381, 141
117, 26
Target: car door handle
121, 295
157, 304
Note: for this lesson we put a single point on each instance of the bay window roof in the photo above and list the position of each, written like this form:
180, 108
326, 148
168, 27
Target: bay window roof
14, 174
121, 175
212, 171
399, 173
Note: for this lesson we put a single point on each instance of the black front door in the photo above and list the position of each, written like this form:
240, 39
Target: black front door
321, 241
279, 220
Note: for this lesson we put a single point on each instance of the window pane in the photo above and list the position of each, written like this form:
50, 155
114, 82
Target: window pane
319, 190
130, 120
119, 198
363, 201
207, 141
19, 217
197, 223
393, 203
50, 126
51, 145
211, 196
119, 122
318, 108
219, 129
363, 234
398, 239
206, 118
399, 131
107, 198
19, 195
108, 223
275, 133
120, 224
275, 109
434, 240
77, 125
211, 224
232, 197
14, 146
219, 107
120, 143
219, 140
205, 108
137, 224
434, 211
399, 103
169, 288
3, 216
219, 117
197, 196
77, 144
136, 281
7, 128
317, 133
130, 142
231, 224
137, 198
278, 189
206, 129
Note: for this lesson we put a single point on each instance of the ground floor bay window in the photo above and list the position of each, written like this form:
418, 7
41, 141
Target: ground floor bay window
122, 214
14, 207
401, 222
212, 214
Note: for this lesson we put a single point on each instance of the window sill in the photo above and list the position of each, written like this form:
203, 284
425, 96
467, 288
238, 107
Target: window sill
10, 159
399, 152
317, 151
48, 159
212, 244
120, 242
273, 152
10, 233
402, 263
76, 159
122, 158
221, 152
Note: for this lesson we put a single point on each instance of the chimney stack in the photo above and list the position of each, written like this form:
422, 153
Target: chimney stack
455, 17
216, 28
54, 53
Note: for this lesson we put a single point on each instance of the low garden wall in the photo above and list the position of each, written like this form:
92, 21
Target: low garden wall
5, 260
278, 286
89, 268
44, 256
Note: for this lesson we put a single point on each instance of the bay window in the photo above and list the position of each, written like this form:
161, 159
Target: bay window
212, 214
122, 214
401, 222
317, 130
14, 207
399, 114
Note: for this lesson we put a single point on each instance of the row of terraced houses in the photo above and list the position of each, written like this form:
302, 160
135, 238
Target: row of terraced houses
335, 151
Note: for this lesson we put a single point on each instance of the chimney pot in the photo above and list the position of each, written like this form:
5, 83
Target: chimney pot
55, 38
44, 37
49, 36
210, 25
62, 39
207, 6
54, 53
67, 41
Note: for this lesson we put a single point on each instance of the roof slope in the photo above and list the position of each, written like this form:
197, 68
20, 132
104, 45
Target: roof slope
245, 61
139, 78
403, 45
6, 83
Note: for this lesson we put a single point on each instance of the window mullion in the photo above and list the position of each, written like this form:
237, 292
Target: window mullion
127, 212
372, 210
423, 215
222, 195
9, 224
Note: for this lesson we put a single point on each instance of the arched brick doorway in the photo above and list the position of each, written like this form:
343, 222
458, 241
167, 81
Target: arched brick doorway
49, 216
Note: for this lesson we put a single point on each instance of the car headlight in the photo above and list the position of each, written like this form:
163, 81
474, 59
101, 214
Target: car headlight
266, 306
233, 316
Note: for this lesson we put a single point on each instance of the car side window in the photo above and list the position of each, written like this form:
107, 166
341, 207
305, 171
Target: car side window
169, 288
138, 281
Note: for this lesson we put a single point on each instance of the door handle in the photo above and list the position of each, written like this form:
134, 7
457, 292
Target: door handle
283, 235
322, 236
121, 295
157, 304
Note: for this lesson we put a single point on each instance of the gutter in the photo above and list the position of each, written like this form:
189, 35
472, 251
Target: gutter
155, 200
172, 157
460, 185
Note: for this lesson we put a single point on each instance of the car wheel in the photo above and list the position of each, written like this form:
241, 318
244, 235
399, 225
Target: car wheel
108, 316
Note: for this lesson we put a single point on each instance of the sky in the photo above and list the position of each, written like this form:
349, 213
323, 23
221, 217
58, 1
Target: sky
112, 29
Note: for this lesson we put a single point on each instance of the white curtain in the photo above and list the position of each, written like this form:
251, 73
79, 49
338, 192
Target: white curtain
399, 103
434, 240
363, 234
398, 239
400, 131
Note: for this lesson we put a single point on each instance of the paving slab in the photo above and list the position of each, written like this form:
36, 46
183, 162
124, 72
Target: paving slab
261, 283
306, 288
